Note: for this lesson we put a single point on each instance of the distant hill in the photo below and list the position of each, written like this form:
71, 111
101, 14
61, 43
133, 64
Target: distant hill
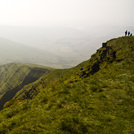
59, 45
11, 51
14, 76
94, 97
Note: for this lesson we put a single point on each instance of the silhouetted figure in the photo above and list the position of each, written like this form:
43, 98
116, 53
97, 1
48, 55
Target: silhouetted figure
126, 33
131, 34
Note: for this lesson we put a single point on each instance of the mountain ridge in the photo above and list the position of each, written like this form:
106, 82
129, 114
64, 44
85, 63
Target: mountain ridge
96, 96
16, 75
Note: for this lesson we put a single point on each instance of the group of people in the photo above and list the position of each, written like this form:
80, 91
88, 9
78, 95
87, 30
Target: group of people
128, 33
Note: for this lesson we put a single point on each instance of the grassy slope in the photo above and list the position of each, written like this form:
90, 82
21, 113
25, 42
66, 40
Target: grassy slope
14, 76
94, 97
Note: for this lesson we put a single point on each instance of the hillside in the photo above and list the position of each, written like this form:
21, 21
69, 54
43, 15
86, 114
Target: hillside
16, 75
94, 97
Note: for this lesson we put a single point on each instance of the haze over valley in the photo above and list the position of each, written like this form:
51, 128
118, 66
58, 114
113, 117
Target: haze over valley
58, 47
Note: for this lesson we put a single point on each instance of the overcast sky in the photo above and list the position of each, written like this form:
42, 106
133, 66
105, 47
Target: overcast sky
60, 12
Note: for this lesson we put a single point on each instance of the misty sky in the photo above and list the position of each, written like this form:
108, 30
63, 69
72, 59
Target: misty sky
66, 12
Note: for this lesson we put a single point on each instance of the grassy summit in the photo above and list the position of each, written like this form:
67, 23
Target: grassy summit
97, 96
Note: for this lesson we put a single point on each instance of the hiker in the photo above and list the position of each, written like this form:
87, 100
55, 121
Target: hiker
131, 34
126, 33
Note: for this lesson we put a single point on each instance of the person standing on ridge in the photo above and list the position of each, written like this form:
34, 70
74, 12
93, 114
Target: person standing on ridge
126, 33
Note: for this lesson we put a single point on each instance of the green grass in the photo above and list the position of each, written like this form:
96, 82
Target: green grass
14, 76
95, 97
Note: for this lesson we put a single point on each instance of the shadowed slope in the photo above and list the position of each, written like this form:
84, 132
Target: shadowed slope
14, 77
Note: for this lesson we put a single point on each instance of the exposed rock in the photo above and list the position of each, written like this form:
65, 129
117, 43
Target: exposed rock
104, 44
95, 67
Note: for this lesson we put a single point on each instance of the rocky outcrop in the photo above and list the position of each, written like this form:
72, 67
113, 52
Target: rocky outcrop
104, 44
105, 53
